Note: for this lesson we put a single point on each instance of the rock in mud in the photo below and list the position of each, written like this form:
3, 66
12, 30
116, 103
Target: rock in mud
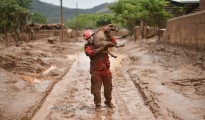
52, 40
68, 114
39, 70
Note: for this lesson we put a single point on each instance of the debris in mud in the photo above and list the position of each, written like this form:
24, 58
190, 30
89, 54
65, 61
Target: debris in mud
52, 40
68, 114
41, 62
186, 85
54, 73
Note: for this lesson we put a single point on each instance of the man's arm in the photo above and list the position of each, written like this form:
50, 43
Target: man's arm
111, 42
92, 52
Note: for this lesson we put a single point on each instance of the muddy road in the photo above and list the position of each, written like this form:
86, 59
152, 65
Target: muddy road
71, 97
151, 81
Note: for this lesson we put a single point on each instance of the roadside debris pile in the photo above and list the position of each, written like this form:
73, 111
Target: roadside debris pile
147, 32
40, 31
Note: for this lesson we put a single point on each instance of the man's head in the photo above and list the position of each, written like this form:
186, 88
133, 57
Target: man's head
88, 36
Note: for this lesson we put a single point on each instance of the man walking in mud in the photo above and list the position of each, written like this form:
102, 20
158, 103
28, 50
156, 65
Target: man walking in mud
99, 70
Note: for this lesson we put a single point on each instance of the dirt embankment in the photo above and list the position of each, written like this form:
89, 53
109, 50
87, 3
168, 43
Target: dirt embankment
186, 30
28, 73
171, 78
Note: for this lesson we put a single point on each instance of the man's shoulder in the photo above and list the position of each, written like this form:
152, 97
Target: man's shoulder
88, 45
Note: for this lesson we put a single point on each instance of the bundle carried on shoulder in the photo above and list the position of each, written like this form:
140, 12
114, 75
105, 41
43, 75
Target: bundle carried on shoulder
103, 37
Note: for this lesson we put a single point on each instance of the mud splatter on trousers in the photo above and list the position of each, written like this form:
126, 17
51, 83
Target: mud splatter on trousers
99, 77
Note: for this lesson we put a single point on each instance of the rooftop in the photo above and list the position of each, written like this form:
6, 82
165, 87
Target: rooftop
186, 1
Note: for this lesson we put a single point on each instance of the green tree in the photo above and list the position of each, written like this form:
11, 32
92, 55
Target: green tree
84, 21
37, 17
131, 12
103, 20
13, 16
24, 3
178, 11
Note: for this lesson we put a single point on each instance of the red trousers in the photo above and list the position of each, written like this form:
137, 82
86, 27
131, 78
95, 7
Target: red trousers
97, 78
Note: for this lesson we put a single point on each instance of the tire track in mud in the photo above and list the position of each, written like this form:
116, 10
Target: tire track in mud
71, 97
130, 95
173, 91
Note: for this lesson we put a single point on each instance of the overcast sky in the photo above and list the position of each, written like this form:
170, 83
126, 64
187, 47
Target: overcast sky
81, 3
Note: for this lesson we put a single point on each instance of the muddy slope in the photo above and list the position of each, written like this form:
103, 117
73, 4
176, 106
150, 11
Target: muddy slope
171, 79
28, 73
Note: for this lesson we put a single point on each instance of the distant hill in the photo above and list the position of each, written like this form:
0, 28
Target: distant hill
52, 12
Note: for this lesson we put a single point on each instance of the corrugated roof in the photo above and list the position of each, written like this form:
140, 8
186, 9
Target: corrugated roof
186, 1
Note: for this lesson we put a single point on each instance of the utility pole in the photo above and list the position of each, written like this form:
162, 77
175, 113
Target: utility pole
76, 21
61, 35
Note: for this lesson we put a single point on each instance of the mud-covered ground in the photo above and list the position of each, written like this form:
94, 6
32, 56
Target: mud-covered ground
171, 79
71, 97
150, 81
29, 72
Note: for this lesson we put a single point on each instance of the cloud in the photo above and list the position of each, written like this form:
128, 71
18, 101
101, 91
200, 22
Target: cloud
81, 3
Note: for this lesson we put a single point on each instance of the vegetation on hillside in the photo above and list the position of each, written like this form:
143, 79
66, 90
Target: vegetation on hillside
37, 17
89, 21
127, 13
52, 12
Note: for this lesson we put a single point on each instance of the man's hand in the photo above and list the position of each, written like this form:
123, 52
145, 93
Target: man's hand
122, 45
100, 49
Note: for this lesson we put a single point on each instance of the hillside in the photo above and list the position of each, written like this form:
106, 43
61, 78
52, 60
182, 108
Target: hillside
52, 12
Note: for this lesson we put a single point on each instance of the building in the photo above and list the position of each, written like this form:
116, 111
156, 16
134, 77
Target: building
183, 7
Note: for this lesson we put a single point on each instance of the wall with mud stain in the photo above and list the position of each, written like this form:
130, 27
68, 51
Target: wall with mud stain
146, 32
41, 34
67, 33
188, 30
202, 5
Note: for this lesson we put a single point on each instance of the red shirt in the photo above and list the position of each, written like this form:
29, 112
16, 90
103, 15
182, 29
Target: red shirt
98, 61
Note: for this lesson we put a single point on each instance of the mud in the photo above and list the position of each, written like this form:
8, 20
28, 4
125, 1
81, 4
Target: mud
71, 98
170, 78
28, 73
151, 81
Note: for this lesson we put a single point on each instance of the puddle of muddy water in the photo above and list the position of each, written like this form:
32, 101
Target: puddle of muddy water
116, 62
71, 57
83, 61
